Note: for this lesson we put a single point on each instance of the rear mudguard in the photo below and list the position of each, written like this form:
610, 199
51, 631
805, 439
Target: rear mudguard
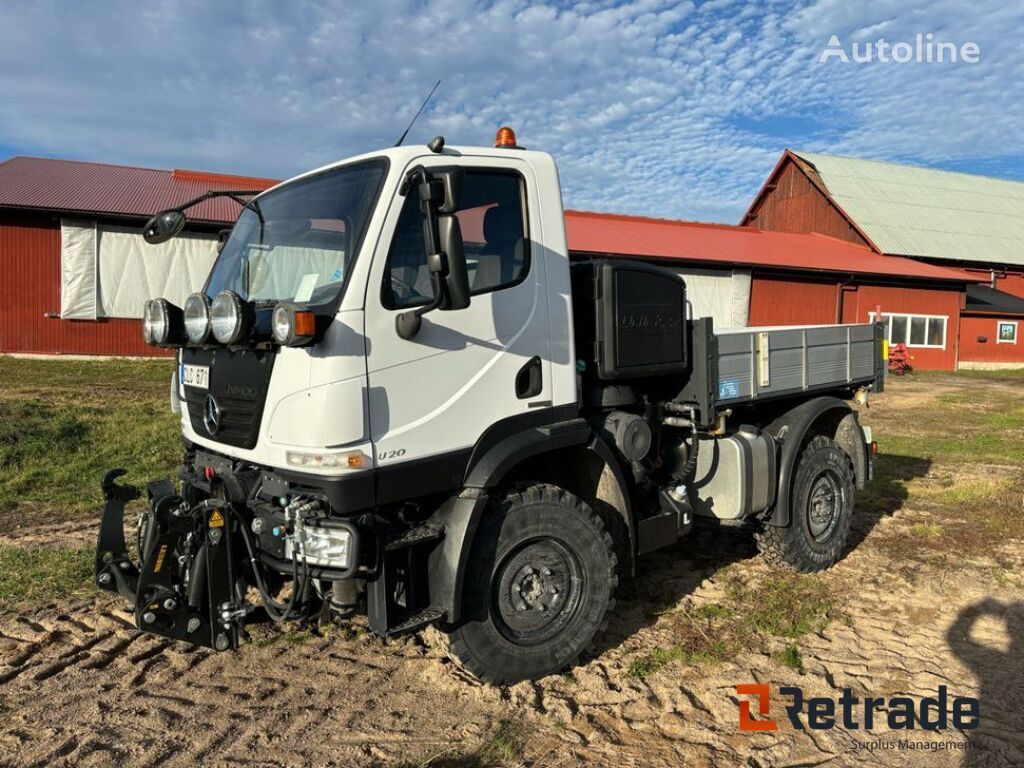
185, 584
792, 428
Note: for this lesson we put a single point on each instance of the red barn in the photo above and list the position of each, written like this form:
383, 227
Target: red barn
79, 273
76, 269
972, 223
785, 278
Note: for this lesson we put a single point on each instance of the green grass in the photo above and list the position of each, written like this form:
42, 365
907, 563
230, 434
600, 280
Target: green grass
63, 423
1004, 374
926, 530
38, 574
503, 748
791, 657
785, 605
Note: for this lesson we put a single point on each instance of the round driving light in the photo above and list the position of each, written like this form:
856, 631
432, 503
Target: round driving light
229, 317
282, 324
157, 321
292, 325
148, 315
161, 323
197, 318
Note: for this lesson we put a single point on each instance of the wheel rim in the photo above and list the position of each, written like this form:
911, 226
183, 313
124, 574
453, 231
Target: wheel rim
824, 505
536, 590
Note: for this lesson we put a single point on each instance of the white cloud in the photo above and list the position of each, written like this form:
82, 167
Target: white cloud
654, 107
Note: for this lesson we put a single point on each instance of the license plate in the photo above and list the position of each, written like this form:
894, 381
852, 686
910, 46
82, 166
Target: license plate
197, 376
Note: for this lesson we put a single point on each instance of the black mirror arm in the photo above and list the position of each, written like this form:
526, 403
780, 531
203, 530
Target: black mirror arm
236, 195
407, 324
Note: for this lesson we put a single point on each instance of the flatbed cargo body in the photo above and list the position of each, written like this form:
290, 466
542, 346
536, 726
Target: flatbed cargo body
783, 361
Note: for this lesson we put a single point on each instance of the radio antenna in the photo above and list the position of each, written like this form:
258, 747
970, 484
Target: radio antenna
424, 104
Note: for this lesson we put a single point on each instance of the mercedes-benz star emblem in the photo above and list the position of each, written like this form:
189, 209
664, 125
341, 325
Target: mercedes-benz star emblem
211, 415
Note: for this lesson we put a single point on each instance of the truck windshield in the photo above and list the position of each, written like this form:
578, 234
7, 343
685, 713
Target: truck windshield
297, 243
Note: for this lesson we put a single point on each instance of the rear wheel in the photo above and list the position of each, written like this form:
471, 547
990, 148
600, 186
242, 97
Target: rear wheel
539, 584
821, 510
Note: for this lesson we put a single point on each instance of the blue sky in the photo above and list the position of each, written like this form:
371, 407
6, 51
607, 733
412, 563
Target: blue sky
650, 107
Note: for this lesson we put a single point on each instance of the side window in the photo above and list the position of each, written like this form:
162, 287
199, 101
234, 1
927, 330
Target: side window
493, 223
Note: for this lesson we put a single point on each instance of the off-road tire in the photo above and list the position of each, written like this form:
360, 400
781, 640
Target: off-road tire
541, 544
822, 469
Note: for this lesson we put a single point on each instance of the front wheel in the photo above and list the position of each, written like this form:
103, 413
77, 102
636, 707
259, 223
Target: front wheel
538, 586
821, 510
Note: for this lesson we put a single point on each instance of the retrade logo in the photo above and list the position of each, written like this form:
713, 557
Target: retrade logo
854, 713
899, 713
747, 723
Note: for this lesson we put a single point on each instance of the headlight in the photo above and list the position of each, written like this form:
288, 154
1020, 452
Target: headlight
197, 318
329, 544
293, 326
161, 323
230, 317
327, 460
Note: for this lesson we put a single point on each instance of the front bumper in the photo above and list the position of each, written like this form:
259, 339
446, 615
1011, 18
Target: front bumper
232, 529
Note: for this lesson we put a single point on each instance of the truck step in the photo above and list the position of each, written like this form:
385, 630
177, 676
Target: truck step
418, 535
416, 621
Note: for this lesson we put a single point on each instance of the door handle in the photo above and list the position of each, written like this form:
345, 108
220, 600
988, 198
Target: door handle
529, 380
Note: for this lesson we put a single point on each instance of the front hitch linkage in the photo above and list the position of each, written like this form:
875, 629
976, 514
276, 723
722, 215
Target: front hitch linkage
115, 572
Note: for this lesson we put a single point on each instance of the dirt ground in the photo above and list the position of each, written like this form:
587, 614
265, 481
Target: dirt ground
79, 686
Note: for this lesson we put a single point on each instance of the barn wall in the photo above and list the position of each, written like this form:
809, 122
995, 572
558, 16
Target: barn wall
976, 327
791, 301
780, 300
1013, 283
30, 261
797, 205
859, 303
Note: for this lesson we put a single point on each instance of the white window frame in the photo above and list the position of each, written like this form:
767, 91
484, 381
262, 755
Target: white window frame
999, 327
888, 316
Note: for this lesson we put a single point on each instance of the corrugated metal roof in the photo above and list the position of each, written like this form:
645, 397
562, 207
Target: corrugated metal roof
911, 211
68, 186
603, 233
96, 188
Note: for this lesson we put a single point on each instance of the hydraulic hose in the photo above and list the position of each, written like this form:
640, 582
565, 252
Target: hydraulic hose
691, 461
276, 610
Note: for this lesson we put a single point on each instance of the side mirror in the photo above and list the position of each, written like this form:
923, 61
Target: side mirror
451, 178
456, 280
163, 226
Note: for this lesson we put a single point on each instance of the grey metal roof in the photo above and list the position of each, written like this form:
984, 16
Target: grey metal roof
910, 211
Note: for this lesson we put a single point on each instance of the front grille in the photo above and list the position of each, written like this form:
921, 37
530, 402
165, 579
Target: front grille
239, 419
235, 371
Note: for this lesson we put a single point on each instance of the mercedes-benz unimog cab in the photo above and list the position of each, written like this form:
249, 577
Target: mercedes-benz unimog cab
399, 396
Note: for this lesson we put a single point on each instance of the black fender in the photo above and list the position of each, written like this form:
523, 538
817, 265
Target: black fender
499, 450
603, 451
792, 428
459, 518
511, 441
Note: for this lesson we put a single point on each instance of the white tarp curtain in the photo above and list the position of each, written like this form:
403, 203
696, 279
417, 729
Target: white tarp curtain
124, 270
78, 300
721, 295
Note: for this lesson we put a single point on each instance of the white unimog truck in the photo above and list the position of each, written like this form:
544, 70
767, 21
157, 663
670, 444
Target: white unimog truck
396, 391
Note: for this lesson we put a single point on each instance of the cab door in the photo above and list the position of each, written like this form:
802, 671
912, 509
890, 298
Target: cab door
432, 396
